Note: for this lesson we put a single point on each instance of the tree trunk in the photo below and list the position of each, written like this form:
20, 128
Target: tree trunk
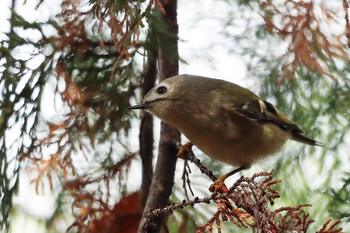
163, 178
146, 128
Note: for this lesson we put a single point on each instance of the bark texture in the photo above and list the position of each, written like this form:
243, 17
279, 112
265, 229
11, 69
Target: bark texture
146, 138
163, 178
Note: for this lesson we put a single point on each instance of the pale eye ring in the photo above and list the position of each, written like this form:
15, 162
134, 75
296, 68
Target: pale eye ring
161, 90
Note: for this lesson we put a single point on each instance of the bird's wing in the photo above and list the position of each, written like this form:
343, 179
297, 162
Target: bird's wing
264, 112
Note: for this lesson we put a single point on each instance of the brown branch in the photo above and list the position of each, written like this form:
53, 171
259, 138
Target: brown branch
189, 155
252, 198
332, 228
240, 193
347, 26
146, 128
163, 178
186, 182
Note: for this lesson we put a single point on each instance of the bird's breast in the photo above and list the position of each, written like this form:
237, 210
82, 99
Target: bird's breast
227, 136
233, 146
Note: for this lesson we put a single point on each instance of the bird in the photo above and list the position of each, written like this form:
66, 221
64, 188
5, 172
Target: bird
227, 122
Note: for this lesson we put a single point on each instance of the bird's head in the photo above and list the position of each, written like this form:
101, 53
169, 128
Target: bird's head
161, 98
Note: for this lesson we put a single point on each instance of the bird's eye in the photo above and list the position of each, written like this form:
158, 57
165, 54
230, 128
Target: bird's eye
161, 90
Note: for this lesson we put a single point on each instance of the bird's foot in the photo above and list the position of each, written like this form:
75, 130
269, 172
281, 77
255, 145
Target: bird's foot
183, 149
219, 185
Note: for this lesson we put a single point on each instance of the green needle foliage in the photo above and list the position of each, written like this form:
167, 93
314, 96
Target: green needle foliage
317, 97
95, 57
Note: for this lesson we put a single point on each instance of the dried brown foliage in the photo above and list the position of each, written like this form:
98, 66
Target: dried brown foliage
90, 205
250, 198
61, 136
119, 26
329, 227
95, 80
123, 21
247, 203
309, 44
124, 218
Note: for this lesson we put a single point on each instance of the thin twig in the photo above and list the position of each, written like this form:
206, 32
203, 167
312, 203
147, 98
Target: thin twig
186, 180
189, 155
347, 27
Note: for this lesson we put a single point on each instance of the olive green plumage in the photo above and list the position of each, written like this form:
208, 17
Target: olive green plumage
226, 121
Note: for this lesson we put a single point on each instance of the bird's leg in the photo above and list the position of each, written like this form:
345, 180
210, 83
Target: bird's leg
219, 183
183, 149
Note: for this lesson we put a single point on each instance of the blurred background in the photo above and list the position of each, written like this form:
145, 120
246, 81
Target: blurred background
69, 70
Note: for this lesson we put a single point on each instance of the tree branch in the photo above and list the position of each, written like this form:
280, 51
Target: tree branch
146, 128
163, 179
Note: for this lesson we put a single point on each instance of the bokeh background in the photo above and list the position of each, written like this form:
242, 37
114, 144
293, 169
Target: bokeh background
64, 98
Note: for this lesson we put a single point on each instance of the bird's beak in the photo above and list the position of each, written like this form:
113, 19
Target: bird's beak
139, 106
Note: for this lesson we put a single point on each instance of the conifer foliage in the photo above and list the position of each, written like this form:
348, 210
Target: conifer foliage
97, 56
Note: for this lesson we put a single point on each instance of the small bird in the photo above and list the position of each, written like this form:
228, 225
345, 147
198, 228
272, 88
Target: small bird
227, 122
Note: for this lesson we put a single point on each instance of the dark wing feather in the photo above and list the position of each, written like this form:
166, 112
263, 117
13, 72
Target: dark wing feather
265, 112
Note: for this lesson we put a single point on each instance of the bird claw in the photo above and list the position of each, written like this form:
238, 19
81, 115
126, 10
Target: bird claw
219, 185
184, 148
